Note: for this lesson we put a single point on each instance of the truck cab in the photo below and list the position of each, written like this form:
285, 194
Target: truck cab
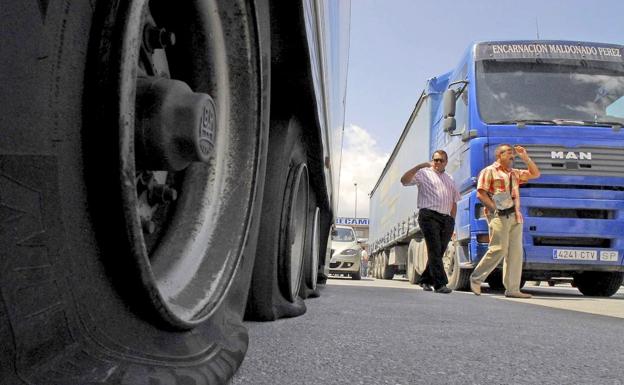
564, 102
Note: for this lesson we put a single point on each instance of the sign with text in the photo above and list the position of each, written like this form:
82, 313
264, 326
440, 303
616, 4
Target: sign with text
549, 50
351, 221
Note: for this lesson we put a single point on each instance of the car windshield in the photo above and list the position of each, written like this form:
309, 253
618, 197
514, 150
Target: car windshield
550, 92
343, 235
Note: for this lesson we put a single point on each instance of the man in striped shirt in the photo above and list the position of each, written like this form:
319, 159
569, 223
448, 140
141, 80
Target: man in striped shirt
498, 189
437, 206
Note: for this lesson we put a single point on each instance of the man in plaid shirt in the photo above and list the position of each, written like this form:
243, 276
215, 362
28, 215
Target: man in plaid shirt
498, 189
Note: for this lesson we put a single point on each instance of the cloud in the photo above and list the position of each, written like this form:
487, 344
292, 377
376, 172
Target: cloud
362, 163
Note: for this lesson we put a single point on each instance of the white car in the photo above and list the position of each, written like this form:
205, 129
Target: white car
345, 252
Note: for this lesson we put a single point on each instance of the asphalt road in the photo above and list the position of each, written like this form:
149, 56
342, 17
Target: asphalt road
390, 332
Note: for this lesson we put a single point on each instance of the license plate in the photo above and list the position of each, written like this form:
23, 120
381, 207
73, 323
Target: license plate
578, 255
609, 255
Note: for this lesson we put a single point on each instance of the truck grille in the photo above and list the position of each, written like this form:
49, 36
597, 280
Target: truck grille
547, 212
572, 241
584, 161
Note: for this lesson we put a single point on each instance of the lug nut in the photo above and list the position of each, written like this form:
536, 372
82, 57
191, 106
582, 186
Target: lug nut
148, 226
161, 193
159, 38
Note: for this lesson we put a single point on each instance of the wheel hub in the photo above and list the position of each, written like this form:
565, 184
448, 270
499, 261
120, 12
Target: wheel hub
174, 125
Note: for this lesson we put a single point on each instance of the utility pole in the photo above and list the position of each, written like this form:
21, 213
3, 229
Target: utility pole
355, 184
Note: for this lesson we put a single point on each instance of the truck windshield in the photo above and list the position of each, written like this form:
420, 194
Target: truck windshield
551, 92
343, 235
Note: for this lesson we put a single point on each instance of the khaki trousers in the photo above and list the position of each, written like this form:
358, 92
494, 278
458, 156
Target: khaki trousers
505, 242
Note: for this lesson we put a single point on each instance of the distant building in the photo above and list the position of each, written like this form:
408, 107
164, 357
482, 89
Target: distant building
360, 225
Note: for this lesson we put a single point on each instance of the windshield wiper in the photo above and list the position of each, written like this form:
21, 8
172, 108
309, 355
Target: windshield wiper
524, 122
561, 122
604, 123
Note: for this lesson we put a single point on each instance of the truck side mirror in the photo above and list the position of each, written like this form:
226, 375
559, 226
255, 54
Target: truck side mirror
449, 124
448, 103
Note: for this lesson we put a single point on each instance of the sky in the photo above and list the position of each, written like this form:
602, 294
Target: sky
396, 45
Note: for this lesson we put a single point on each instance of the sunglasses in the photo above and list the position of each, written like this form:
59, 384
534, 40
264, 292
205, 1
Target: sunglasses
436, 160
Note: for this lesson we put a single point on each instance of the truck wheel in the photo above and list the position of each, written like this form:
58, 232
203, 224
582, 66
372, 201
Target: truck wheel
128, 260
459, 279
280, 255
387, 271
422, 256
356, 276
311, 253
599, 283
376, 266
412, 253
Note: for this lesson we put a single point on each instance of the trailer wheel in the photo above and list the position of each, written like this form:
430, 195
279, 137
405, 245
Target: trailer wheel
599, 283
422, 256
133, 256
458, 278
312, 250
412, 254
374, 267
387, 271
274, 291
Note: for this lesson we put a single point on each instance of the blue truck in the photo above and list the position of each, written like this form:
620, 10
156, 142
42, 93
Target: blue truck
564, 102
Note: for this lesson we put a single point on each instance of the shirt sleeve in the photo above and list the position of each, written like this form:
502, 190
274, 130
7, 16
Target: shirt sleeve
485, 180
418, 177
523, 175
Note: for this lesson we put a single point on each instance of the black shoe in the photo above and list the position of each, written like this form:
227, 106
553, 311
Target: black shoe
426, 287
443, 290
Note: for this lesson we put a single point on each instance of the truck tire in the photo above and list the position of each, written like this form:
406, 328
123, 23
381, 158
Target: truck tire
599, 283
375, 266
311, 253
280, 255
422, 256
356, 276
412, 253
458, 278
106, 277
387, 271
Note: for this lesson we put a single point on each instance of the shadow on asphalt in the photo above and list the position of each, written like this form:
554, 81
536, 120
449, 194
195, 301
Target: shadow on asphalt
547, 293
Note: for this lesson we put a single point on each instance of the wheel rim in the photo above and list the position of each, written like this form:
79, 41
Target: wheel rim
293, 232
312, 278
448, 260
410, 265
421, 260
187, 236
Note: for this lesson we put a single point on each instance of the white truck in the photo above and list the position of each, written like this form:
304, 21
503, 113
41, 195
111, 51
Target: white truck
396, 243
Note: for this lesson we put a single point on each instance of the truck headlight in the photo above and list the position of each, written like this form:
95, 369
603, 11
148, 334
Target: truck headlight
348, 252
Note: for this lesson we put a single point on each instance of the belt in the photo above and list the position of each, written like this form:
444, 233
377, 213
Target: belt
435, 212
506, 212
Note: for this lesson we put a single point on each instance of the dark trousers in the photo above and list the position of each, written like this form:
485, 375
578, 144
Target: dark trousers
437, 229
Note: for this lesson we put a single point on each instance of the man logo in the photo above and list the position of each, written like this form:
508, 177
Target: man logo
570, 155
